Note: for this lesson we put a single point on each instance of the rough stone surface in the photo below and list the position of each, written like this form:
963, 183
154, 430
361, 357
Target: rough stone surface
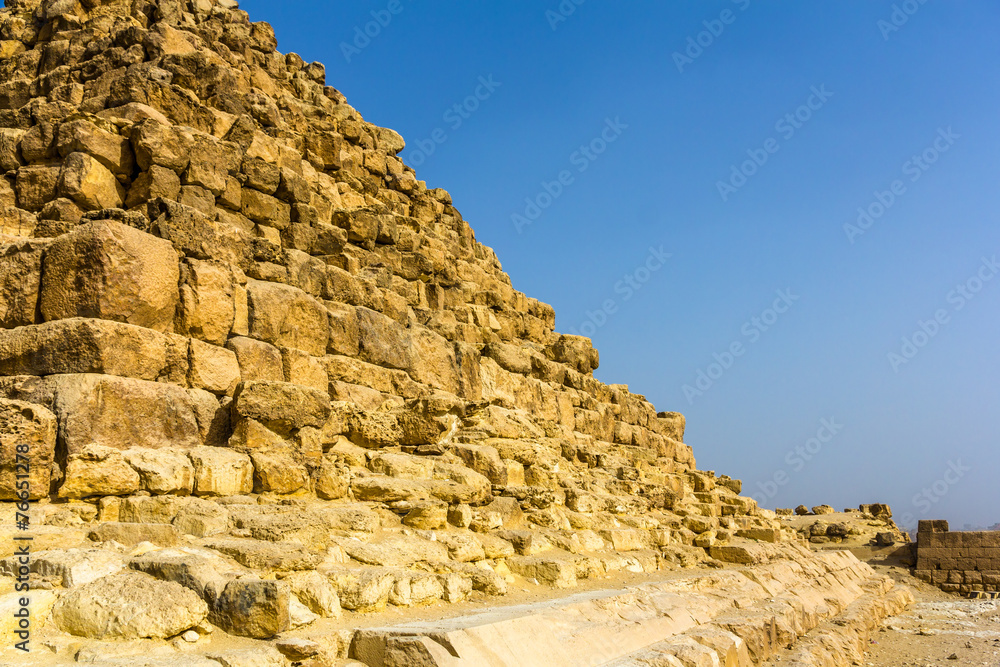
129, 606
107, 270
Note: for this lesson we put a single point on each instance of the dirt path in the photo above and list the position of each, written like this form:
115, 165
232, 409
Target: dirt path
940, 629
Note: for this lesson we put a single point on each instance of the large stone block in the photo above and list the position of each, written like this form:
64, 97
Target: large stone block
253, 608
207, 307
89, 183
27, 447
36, 186
213, 368
221, 472
281, 406
383, 341
129, 605
287, 317
162, 471
110, 271
98, 471
113, 151
79, 345
433, 360
257, 360
20, 280
122, 413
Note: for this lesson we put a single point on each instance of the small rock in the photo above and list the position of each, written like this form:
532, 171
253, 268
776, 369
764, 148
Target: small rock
295, 648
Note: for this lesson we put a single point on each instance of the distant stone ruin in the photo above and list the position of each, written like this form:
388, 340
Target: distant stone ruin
959, 562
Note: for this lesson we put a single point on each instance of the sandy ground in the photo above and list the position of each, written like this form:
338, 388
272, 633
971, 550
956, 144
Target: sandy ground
940, 629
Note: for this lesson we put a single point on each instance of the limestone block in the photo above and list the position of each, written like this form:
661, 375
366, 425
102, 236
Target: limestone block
363, 590
383, 341
483, 459
287, 317
316, 592
148, 509
20, 280
122, 413
213, 368
278, 473
221, 472
80, 345
302, 369
27, 447
131, 534
281, 406
73, 567
129, 606
257, 360
110, 271
89, 183
201, 518
209, 165
162, 471
152, 184
98, 471
162, 145
344, 333
10, 152
36, 185
253, 608
332, 480
207, 306
113, 151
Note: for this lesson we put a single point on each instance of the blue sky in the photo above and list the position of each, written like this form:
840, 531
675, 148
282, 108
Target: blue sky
739, 137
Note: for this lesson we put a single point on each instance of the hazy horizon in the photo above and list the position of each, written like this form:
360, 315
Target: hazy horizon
776, 218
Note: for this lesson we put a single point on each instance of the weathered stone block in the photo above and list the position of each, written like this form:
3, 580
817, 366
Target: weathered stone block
162, 471
98, 471
281, 406
213, 368
122, 413
257, 360
20, 280
276, 472
107, 270
89, 183
27, 447
129, 606
79, 345
36, 186
253, 608
287, 317
207, 301
113, 151
383, 341
221, 472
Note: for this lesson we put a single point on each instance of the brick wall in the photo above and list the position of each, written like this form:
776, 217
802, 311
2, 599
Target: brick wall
958, 562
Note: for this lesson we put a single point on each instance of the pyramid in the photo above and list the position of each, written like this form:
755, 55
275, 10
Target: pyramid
261, 373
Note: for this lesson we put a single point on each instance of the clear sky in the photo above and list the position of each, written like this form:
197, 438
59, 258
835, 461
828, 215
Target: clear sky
823, 176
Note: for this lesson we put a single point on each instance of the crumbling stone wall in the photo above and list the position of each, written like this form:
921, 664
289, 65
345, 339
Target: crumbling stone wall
958, 562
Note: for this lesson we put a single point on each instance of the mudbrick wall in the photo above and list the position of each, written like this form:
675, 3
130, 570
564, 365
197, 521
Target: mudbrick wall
963, 562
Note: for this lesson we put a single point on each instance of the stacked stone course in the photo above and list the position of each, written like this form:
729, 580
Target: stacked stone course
959, 562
